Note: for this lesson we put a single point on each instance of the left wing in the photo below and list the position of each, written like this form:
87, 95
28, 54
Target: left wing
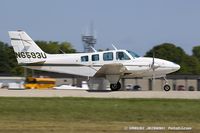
112, 72
110, 69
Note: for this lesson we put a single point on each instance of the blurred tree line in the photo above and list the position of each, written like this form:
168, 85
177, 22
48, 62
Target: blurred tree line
190, 64
8, 62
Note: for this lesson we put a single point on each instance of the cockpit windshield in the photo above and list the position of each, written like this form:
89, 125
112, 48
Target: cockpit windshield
133, 54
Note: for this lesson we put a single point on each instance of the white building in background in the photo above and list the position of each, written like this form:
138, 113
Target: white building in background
177, 82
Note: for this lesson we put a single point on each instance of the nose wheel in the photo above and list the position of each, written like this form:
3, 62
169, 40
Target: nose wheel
166, 87
115, 87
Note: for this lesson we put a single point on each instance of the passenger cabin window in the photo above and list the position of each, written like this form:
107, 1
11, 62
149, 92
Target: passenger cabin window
122, 56
108, 56
84, 58
95, 57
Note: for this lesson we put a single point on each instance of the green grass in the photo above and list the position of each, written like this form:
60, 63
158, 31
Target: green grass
95, 115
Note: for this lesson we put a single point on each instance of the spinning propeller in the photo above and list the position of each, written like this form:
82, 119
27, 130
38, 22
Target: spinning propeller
153, 67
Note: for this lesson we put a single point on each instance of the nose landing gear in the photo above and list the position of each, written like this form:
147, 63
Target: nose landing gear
166, 87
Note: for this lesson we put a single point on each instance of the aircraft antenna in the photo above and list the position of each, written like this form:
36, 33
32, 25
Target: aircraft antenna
114, 47
62, 51
93, 49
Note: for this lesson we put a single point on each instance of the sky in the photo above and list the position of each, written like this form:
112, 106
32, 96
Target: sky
136, 25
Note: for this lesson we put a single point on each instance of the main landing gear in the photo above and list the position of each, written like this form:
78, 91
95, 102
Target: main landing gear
115, 87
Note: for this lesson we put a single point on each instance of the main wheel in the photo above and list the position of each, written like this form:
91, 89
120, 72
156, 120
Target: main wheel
115, 87
167, 87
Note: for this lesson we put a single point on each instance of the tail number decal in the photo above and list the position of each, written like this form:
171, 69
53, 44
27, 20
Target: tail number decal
30, 55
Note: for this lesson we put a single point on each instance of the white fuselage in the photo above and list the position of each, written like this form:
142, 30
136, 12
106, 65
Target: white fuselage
111, 65
87, 64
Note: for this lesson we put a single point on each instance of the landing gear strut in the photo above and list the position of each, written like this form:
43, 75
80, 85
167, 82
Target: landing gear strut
115, 87
166, 87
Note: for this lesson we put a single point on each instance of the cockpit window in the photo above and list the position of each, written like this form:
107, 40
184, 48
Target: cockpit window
122, 56
134, 55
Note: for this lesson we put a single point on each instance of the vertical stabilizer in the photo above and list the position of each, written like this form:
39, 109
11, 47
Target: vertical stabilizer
26, 50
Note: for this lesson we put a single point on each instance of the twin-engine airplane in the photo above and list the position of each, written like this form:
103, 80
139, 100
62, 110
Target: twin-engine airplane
111, 65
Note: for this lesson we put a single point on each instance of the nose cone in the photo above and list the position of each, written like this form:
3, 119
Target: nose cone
175, 67
172, 67
168, 66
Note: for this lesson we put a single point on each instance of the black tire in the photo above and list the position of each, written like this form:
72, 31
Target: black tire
115, 87
167, 87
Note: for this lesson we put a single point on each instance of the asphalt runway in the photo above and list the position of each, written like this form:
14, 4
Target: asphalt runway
101, 94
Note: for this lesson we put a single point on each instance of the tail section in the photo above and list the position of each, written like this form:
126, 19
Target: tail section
26, 50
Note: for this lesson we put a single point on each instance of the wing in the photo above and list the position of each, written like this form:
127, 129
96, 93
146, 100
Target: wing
110, 69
